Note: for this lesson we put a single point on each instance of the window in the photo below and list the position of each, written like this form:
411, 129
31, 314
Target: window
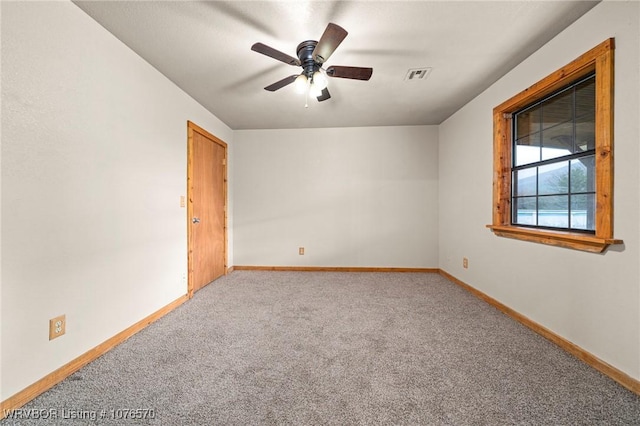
553, 167
553, 157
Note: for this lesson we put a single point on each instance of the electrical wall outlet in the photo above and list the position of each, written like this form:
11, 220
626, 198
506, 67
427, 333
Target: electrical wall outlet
301, 251
465, 263
57, 327
182, 201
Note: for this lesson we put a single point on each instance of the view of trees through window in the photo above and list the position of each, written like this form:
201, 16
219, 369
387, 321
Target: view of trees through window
553, 172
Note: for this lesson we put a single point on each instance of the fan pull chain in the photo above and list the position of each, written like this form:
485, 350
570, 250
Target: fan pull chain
306, 96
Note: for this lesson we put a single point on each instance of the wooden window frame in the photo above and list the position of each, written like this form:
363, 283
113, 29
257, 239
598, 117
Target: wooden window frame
598, 60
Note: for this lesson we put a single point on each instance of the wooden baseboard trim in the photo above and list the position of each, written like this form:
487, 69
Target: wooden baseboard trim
230, 269
331, 269
27, 394
607, 369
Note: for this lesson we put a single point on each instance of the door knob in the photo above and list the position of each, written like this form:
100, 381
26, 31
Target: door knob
195, 220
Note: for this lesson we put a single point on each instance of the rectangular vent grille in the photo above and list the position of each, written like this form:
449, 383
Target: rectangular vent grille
416, 74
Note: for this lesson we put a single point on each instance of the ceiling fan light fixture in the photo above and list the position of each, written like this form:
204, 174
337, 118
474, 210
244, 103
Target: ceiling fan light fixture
301, 83
315, 90
320, 80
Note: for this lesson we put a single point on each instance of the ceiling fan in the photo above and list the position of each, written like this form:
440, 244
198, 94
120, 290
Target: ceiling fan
311, 56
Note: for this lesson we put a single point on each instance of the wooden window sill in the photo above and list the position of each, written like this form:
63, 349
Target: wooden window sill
571, 240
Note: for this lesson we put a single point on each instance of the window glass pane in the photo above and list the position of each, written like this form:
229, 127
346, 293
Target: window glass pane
553, 178
524, 182
583, 212
553, 211
528, 122
557, 141
585, 95
527, 131
558, 110
527, 150
583, 174
525, 211
585, 133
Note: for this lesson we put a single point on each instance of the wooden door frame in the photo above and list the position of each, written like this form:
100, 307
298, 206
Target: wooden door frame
191, 129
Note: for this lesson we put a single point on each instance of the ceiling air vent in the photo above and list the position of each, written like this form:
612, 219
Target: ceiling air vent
415, 74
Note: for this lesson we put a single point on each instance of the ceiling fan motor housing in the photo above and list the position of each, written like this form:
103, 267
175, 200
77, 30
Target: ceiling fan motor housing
305, 54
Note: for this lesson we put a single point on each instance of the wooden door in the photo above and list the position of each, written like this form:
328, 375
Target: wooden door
207, 198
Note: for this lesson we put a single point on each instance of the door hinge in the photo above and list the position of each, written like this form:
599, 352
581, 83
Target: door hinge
507, 116
224, 161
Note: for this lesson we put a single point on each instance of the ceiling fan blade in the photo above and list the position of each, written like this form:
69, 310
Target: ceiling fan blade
275, 54
355, 73
330, 40
280, 84
324, 95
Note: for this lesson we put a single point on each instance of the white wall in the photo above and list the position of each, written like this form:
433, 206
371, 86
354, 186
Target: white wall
351, 196
93, 167
1, 398
591, 300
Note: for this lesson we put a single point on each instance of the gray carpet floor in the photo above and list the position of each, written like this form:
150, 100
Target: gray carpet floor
307, 348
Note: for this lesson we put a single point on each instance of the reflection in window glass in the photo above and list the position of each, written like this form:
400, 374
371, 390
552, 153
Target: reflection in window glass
525, 211
528, 122
557, 110
557, 141
553, 178
583, 174
527, 150
585, 101
553, 211
583, 212
525, 182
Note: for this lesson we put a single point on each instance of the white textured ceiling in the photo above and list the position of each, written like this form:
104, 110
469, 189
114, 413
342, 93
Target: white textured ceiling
205, 49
